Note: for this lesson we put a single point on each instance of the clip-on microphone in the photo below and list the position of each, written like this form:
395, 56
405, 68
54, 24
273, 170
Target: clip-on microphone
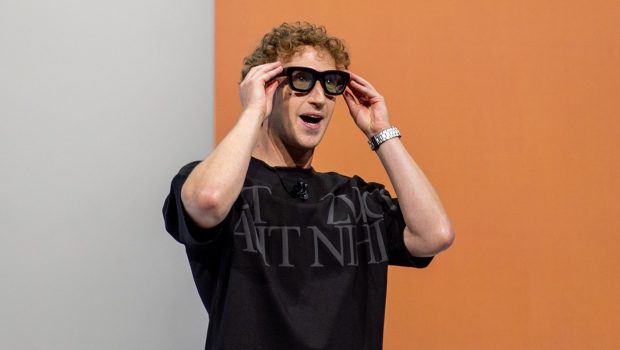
300, 190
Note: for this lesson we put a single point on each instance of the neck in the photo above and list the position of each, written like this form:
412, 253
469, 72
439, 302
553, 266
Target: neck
274, 152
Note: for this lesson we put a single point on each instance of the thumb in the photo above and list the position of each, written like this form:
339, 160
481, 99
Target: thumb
271, 88
269, 96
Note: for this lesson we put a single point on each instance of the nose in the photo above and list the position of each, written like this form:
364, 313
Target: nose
316, 96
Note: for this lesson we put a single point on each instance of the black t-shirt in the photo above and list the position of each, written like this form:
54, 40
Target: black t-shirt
282, 272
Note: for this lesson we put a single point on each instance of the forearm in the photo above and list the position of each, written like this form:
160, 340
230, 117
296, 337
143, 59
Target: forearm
428, 228
213, 186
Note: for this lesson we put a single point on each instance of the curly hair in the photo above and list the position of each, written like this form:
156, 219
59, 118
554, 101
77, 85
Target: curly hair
287, 39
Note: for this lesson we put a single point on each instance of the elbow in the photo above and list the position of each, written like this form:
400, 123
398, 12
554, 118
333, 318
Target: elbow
211, 203
205, 206
430, 242
203, 199
445, 237
441, 238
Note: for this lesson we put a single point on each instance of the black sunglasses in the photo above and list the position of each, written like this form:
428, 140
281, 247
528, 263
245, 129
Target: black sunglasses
302, 79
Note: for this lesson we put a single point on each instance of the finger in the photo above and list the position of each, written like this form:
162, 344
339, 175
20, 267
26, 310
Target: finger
363, 89
271, 88
360, 80
265, 66
356, 89
260, 70
273, 72
364, 86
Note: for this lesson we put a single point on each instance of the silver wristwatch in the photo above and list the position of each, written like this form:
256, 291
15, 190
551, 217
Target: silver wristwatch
376, 140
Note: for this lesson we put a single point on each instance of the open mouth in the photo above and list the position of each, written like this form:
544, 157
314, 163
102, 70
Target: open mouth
310, 119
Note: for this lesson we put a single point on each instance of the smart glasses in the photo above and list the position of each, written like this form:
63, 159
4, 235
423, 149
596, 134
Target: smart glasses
302, 79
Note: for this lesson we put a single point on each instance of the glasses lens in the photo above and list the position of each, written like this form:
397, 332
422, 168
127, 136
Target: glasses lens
302, 80
335, 83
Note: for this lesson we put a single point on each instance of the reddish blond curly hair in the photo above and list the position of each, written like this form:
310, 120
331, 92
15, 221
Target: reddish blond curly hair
285, 40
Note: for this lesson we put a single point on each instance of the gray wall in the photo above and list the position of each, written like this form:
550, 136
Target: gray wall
101, 102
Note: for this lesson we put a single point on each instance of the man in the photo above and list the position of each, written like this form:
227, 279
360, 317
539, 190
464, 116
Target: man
285, 257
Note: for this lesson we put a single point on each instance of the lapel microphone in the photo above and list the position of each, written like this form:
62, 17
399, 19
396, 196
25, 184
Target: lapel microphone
300, 190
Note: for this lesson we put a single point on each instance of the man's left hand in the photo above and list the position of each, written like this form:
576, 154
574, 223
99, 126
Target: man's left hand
367, 106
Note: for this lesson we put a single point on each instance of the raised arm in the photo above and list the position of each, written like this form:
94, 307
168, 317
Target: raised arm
213, 186
428, 229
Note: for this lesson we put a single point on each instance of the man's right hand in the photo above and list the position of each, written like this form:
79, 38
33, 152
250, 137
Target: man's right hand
213, 186
257, 88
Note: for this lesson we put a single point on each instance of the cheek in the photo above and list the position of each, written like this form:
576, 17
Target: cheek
282, 102
294, 104
331, 106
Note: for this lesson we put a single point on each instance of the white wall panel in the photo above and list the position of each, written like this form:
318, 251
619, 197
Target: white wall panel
101, 102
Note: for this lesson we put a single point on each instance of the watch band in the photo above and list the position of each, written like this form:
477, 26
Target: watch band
376, 140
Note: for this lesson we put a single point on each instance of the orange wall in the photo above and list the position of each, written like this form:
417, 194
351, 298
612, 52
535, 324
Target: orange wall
512, 109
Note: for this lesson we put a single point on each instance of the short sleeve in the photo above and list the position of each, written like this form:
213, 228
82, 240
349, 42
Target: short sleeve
178, 222
395, 227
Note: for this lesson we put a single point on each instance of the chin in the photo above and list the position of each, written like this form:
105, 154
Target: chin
310, 143
304, 147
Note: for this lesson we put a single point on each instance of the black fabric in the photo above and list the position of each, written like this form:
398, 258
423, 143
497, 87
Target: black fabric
281, 272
